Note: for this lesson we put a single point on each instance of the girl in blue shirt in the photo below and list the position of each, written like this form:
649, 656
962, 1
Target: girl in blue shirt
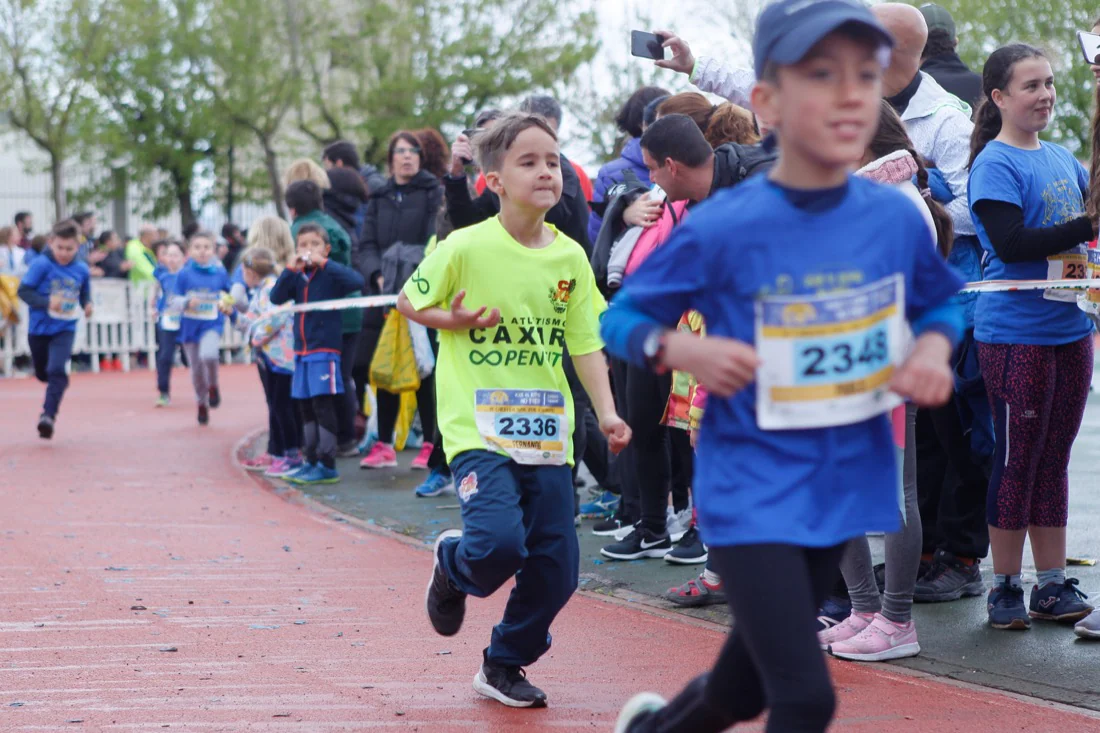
1035, 347
199, 293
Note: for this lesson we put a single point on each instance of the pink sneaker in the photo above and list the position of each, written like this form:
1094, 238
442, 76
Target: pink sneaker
880, 641
380, 456
261, 462
845, 630
420, 463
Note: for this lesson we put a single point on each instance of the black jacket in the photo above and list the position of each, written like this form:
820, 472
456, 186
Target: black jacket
569, 215
734, 163
343, 200
952, 74
406, 214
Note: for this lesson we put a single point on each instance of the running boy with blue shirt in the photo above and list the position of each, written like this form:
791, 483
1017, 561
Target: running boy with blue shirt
505, 409
317, 340
56, 288
200, 293
807, 334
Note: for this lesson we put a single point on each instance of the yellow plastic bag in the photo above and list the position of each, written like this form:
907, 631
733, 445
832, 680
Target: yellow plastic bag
405, 415
9, 300
393, 367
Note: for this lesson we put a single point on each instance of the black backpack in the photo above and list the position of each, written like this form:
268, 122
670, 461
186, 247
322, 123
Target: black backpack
737, 162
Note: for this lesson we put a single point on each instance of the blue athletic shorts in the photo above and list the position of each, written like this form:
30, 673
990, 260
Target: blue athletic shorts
316, 377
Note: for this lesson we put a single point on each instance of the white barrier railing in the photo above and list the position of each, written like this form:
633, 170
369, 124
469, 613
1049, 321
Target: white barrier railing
121, 325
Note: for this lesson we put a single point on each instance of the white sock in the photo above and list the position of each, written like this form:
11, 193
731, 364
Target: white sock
711, 578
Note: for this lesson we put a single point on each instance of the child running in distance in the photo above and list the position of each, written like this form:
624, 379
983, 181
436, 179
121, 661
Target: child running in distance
316, 383
272, 341
56, 288
505, 409
170, 258
199, 292
806, 315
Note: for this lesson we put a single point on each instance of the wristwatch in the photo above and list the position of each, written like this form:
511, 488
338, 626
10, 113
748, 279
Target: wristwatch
654, 349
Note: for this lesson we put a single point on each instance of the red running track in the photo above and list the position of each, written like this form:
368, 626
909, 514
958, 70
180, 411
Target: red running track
150, 584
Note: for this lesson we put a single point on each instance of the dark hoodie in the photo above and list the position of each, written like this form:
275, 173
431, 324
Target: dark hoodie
343, 200
952, 74
397, 214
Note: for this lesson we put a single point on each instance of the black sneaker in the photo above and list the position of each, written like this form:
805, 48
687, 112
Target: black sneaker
446, 604
639, 544
690, 550
610, 527
508, 685
204, 415
949, 579
215, 397
880, 574
45, 426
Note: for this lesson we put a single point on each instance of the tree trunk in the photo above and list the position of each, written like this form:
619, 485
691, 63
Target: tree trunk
183, 197
271, 162
229, 186
57, 180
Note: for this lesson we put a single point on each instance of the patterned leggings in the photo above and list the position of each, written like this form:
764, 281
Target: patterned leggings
1038, 396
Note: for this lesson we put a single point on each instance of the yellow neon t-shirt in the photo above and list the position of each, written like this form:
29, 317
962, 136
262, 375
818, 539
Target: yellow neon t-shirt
497, 389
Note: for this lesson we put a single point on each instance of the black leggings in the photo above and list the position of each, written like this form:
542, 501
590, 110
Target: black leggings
771, 659
389, 404
641, 398
319, 429
284, 428
345, 403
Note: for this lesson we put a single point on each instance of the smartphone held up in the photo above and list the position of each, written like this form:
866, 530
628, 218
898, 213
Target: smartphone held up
1090, 47
647, 45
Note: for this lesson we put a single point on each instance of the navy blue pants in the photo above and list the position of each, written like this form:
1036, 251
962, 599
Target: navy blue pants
50, 354
166, 356
518, 521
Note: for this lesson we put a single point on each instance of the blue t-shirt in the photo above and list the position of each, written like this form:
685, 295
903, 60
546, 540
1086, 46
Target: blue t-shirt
1050, 186
72, 282
813, 488
205, 284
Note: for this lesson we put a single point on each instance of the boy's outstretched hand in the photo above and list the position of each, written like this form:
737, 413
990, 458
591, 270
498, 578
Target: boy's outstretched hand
617, 431
465, 318
724, 366
925, 379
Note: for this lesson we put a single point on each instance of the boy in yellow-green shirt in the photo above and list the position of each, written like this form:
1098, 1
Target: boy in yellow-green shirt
505, 410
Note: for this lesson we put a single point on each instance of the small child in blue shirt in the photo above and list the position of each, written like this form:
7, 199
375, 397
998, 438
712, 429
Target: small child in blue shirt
809, 280
170, 254
57, 289
317, 342
200, 294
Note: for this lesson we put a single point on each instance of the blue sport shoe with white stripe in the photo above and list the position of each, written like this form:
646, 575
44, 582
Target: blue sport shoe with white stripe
602, 507
319, 474
306, 467
438, 483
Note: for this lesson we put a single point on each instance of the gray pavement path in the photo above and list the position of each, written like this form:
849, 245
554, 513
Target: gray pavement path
1047, 662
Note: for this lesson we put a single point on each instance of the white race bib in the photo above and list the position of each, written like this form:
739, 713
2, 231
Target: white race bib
69, 309
1071, 265
170, 321
202, 306
530, 425
826, 360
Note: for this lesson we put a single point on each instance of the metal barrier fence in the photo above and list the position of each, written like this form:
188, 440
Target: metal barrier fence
121, 326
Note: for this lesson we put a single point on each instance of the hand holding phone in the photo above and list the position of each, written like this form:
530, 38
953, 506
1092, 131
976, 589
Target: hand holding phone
646, 45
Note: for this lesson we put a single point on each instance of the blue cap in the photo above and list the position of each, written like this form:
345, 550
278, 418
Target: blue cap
787, 29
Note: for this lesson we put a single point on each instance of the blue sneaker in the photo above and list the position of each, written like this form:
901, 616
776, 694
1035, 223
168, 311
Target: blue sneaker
602, 507
319, 474
1059, 602
1006, 608
832, 612
438, 483
306, 467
